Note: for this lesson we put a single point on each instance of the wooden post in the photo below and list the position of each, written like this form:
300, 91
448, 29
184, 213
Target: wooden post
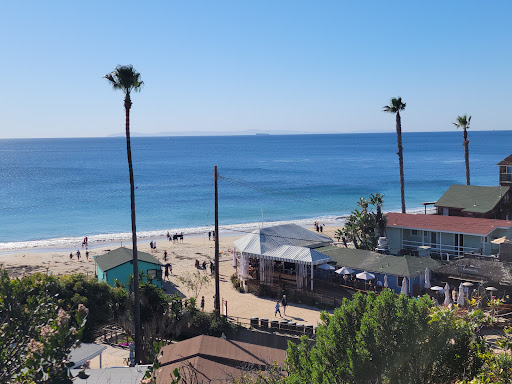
217, 290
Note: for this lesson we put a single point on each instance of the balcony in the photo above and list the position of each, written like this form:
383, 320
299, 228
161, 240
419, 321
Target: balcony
442, 249
505, 177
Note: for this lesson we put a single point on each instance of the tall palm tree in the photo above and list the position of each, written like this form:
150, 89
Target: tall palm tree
463, 122
127, 80
396, 106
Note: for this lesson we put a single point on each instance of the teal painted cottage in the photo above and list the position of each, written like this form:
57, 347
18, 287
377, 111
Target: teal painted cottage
118, 264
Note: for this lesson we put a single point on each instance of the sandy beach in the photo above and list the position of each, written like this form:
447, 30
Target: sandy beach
182, 256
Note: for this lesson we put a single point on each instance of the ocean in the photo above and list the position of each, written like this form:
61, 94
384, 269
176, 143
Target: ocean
56, 191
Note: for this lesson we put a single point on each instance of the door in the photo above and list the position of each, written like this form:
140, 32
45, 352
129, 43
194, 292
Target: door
459, 243
445, 211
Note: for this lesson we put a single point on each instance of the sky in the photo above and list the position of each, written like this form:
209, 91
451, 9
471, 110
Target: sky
268, 65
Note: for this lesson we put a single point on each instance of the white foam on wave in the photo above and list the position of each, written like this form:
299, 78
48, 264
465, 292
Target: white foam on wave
63, 243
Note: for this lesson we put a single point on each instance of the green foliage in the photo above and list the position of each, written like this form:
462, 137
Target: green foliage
362, 224
37, 333
387, 339
210, 324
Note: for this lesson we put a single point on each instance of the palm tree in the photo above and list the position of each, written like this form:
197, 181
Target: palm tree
127, 79
377, 200
463, 122
396, 106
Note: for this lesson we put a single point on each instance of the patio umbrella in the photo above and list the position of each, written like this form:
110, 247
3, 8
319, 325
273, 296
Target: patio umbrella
427, 278
365, 276
385, 281
467, 284
447, 300
327, 267
490, 289
404, 287
436, 288
344, 271
460, 298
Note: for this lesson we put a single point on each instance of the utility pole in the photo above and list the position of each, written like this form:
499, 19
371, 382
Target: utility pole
217, 291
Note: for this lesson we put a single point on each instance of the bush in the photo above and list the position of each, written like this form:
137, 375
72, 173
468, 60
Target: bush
210, 324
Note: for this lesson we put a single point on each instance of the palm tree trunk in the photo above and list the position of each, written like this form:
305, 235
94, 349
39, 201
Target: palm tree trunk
400, 159
466, 155
136, 291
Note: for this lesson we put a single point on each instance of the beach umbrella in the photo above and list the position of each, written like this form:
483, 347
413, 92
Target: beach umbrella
447, 300
427, 278
327, 267
460, 298
491, 289
385, 281
404, 287
365, 276
436, 288
467, 284
344, 271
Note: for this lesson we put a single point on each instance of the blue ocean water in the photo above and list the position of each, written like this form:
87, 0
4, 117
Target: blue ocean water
67, 188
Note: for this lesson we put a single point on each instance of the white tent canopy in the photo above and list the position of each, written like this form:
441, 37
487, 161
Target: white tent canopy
263, 240
365, 276
344, 271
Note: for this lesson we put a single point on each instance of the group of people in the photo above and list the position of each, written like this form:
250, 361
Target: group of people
175, 238
319, 227
283, 302
211, 234
85, 242
203, 265
78, 254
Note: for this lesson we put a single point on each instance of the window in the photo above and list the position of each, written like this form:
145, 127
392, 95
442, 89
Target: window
414, 232
509, 169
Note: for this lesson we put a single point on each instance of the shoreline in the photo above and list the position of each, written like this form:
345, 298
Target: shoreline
62, 244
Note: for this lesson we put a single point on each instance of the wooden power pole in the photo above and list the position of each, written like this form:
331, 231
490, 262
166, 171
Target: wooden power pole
217, 291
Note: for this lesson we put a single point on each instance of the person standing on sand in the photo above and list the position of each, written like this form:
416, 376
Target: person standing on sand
167, 271
202, 303
277, 309
209, 235
71, 256
78, 254
284, 302
87, 255
165, 256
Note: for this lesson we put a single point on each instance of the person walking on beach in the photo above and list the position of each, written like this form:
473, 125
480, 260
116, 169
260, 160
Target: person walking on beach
167, 271
87, 255
284, 302
277, 309
202, 303
165, 256
170, 268
78, 254
209, 235
71, 256
211, 268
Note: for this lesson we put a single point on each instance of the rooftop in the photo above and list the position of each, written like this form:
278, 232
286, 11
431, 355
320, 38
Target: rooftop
476, 270
451, 224
472, 198
267, 239
407, 266
506, 161
121, 256
213, 359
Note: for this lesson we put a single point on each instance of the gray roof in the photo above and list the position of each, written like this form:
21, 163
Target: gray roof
471, 269
84, 352
293, 254
472, 198
120, 256
407, 266
267, 239
114, 375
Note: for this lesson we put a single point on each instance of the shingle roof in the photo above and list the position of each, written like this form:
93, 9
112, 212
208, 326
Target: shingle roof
452, 224
215, 358
407, 266
267, 239
475, 269
472, 198
120, 256
506, 161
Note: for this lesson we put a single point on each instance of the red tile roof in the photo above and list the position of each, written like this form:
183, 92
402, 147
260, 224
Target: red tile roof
454, 224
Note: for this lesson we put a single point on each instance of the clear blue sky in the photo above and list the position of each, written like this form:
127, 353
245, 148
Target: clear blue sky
214, 65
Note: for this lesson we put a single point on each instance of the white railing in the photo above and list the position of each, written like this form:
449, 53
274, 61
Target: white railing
440, 248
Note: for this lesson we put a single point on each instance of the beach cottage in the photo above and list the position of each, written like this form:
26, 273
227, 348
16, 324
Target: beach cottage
387, 269
280, 254
118, 264
444, 236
